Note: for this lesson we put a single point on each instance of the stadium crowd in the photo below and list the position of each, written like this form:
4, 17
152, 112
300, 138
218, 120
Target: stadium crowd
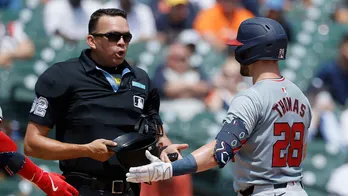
194, 69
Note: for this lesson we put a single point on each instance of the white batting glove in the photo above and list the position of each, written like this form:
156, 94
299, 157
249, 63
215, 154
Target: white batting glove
155, 171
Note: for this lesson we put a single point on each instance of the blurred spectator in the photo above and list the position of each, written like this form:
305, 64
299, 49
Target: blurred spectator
12, 5
44, 1
140, 18
253, 6
333, 76
220, 23
180, 185
14, 43
302, 3
330, 86
183, 86
344, 128
275, 9
307, 3
68, 18
324, 121
203, 4
177, 79
227, 83
189, 38
341, 12
163, 7
178, 18
337, 183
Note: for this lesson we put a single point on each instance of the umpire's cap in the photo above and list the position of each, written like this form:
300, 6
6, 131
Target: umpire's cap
259, 38
131, 147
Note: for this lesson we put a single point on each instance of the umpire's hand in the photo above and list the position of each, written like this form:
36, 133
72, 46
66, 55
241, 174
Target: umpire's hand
98, 149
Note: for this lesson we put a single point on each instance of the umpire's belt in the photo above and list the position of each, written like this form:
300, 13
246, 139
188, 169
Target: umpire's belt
117, 187
250, 190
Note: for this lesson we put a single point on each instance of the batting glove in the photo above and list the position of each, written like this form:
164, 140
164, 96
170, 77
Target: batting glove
155, 171
53, 184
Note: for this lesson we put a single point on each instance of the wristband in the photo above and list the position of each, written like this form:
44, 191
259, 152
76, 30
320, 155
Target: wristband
186, 165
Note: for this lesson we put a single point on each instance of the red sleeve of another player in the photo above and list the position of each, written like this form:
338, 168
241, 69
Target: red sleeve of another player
29, 169
7, 145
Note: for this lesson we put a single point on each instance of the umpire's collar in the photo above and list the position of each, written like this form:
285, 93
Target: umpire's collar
89, 65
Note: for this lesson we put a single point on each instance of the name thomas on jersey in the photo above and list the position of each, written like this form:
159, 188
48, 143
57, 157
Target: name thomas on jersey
288, 104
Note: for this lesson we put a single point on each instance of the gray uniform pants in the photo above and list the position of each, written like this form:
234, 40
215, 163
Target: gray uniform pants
292, 189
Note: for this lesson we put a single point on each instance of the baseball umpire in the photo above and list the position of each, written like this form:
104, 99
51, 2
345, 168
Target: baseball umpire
265, 131
91, 100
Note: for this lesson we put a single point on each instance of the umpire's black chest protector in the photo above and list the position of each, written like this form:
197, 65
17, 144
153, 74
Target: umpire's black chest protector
86, 107
96, 111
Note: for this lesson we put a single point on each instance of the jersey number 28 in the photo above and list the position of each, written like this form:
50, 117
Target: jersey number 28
293, 143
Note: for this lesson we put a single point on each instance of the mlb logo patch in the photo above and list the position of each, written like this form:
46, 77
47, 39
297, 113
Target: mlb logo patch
138, 102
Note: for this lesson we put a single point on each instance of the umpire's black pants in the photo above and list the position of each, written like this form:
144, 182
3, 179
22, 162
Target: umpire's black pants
86, 191
83, 183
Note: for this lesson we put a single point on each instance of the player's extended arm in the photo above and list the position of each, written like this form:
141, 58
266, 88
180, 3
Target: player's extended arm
204, 157
219, 152
200, 160
14, 162
37, 144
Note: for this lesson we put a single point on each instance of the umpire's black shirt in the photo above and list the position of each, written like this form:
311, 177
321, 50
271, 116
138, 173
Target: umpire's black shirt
79, 98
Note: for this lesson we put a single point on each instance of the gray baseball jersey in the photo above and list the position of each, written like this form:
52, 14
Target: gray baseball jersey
277, 116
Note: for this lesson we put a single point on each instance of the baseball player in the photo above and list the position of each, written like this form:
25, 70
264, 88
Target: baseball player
52, 184
265, 130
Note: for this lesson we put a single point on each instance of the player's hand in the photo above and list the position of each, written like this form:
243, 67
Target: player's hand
98, 149
171, 149
53, 184
155, 171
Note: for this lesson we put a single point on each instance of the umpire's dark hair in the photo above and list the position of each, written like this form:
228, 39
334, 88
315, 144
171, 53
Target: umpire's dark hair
93, 21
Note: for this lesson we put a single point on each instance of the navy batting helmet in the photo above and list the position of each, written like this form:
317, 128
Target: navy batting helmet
131, 147
259, 39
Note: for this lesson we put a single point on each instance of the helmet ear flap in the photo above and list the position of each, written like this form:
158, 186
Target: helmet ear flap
245, 56
238, 55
